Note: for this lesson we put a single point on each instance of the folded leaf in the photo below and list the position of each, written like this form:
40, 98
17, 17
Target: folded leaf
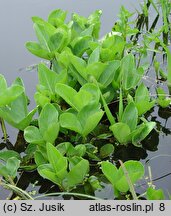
76, 175
37, 50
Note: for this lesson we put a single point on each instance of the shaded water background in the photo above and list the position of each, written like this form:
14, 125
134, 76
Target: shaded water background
17, 28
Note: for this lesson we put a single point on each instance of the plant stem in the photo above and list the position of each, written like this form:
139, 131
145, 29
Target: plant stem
68, 193
132, 190
17, 190
4, 131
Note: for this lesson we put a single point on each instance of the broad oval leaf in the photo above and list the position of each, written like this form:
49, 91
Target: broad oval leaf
134, 169
121, 131
32, 135
110, 171
48, 123
106, 150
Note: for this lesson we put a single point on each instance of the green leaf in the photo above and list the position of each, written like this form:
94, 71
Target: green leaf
163, 100
142, 94
89, 117
110, 171
32, 135
37, 50
67, 93
135, 170
60, 39
70, 121
130, 116
142, 132
47, 172
12, 166
96, 69
108, 74
121, 131
81, 44
106, 150
94, 57
44, 31
7, 95
11, 114
57, 17
89, 92
94, 19
130, 76
80, 150
142, 99
49, 78
153, 194
41, 99
94, 182
77, 174
78, 69
55, 158
48, 123
39, 158
5, 155
168, 67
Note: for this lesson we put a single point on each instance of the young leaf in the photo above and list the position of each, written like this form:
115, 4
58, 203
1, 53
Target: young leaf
11, 114
7, 95
78, 69
163, 100
39, 158
55, 158
77, 174
57, 17
130, 116
142, 99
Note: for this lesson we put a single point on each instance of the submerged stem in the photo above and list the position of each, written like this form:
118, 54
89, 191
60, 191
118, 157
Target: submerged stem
4, 131
70, 194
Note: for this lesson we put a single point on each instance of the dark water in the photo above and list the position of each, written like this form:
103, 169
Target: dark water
16, 29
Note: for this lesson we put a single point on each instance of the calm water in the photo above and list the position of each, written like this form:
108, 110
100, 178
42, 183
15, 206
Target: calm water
16, 29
